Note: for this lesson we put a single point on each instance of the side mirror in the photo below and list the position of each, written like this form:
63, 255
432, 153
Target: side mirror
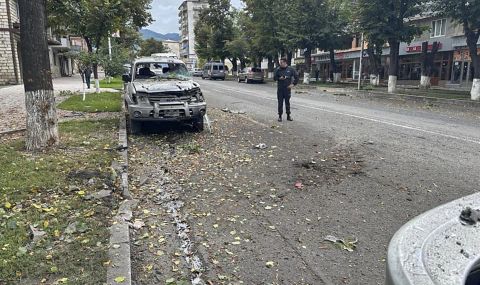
126, 78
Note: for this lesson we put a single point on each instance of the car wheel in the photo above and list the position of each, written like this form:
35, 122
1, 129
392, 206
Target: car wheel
135, 127
198, 124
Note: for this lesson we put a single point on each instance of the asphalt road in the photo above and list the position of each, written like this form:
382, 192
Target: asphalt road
414, 157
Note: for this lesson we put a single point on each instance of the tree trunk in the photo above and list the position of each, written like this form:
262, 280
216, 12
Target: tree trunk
334, 76
271, 67
42, 131
428, 64
375, 61
242, 64
289, 57
393, 69
472, 39
308, 66
234, 66
95, 76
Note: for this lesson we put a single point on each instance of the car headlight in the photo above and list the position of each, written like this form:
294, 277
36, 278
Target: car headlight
198, 97
142, 97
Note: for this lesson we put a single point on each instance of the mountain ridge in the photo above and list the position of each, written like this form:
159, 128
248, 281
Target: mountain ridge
147, 34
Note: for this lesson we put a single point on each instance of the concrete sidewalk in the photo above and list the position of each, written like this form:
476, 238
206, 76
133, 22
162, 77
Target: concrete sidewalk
12, 100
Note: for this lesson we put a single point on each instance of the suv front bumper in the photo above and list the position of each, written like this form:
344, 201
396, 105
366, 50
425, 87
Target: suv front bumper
168, 111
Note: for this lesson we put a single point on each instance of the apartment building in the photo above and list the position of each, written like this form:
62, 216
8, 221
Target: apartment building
453, 65
188, 14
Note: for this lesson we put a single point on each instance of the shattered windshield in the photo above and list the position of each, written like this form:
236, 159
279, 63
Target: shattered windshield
162, 70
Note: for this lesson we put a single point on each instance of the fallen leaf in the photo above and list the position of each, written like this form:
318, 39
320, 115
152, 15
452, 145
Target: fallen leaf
299, 185
120, 279
270, 264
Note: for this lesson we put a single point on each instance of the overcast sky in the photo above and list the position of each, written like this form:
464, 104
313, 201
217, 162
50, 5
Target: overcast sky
165, 15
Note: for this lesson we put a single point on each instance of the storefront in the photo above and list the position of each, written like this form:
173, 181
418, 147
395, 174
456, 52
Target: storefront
347, 64
462, 68
411, 59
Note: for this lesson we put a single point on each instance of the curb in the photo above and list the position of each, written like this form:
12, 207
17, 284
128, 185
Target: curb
119, 246
424, 99
9, 132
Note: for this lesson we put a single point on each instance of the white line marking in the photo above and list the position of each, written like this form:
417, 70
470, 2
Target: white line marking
465, 139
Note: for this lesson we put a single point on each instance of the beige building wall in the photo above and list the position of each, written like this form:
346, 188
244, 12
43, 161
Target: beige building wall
173, 47
10, 71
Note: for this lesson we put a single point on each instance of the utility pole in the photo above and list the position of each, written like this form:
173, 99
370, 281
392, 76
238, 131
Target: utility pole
42, 131
360, 67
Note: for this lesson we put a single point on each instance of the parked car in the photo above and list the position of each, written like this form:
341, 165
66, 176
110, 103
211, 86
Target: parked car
197, 72
251, 74
160, 89
438, 247
214, 70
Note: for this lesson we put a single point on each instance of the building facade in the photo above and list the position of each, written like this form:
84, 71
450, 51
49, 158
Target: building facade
59, 47
173, 47
452, 63
189, 12
10, 67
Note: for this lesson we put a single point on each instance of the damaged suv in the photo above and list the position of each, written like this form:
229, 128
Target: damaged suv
160, 89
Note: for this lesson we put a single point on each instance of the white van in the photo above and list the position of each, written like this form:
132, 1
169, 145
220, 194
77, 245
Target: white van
214, 70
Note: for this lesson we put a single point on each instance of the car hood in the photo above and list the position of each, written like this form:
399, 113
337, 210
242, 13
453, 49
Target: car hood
154, 86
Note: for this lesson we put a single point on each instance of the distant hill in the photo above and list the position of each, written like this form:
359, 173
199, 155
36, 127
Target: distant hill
147, 34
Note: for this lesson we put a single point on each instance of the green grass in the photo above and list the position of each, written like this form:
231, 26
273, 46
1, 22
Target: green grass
438, 93
115, 83
94, 103
40, 190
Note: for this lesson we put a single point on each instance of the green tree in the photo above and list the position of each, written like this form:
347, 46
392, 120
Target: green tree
303, 27
238, 48
467, 14
386, 19
337, 31
151, 46
96, 20
262, 24
213, 30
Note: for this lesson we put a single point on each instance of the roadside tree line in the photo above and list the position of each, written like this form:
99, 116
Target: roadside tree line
269, 30
95, 22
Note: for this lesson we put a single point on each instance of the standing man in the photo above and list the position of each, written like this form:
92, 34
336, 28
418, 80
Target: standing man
287, 78
88, 74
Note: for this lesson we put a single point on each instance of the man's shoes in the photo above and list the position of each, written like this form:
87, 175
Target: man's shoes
289, 118
280, 119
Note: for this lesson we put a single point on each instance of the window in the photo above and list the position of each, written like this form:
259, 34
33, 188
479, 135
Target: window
439, 28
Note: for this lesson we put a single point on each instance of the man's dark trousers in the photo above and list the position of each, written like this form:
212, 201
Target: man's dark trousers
87, 80
283, 94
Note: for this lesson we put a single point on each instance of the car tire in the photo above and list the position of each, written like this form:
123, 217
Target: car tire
135, 127
198, 124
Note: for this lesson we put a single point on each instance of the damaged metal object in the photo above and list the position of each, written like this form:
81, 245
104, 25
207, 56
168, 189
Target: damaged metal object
160, 89
439, 247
